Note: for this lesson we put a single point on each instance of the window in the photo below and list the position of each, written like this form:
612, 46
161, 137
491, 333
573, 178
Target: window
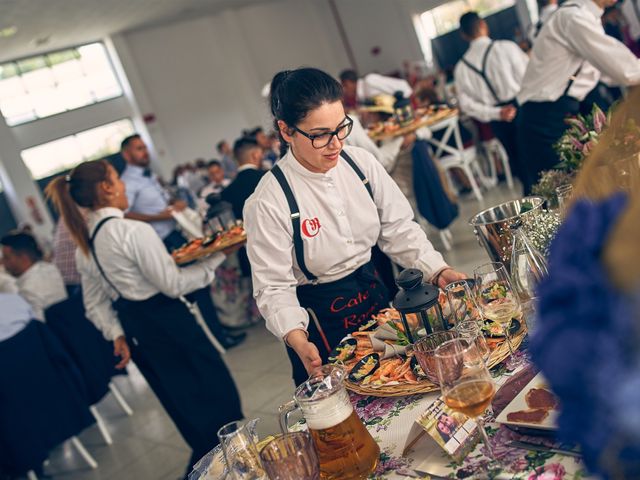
444, 19
65, 153
44, 85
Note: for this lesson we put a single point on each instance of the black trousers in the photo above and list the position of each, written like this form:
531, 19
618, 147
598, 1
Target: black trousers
540, 126
182, 368
507, 133
202, 296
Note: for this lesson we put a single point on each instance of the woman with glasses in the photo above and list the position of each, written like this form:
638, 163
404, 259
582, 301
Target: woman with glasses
313, 220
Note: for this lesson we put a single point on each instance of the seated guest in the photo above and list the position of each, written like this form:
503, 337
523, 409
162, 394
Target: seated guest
39, 283
226, 159
217, 179
269, 157
16, 314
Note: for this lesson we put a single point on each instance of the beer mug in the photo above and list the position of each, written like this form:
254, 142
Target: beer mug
345, 448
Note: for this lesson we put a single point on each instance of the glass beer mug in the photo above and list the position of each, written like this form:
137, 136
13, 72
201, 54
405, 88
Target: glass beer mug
345, 447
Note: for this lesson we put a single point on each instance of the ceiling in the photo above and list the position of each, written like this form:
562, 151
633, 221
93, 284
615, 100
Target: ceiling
45, 25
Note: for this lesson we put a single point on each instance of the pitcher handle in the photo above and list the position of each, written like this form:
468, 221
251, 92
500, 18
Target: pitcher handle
286, 410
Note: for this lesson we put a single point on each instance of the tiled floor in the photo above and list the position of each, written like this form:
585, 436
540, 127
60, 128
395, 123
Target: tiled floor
147, 445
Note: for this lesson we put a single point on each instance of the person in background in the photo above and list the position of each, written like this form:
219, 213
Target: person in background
64, 257
217, 180
487, 79
148, 202
357, 90
39, 283
546, 8
569, 56
631, 12
226, 158
269, 157
7, 282
16, 314
132, 291
314, 219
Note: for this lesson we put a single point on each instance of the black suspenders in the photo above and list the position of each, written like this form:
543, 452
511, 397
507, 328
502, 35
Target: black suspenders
95, 257
483, 72
298, 245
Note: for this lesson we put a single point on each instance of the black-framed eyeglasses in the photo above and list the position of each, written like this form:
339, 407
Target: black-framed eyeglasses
321, 140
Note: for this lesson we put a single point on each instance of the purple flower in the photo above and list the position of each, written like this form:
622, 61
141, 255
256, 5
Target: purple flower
577, 123
599, 119
576, 144
554, 471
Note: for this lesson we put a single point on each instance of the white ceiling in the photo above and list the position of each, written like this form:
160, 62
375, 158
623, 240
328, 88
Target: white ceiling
63, 23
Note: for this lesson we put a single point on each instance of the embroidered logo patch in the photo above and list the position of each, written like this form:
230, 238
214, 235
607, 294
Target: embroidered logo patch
310, 227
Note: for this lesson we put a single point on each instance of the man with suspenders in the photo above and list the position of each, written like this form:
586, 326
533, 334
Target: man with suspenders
487, 78
570, 55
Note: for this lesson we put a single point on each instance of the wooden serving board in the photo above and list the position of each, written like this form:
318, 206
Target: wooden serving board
425, 121
211, 249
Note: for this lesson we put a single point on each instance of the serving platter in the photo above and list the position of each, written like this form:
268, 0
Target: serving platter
390, 129
203, 247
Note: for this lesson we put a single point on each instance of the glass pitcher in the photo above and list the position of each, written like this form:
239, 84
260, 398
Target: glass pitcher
528, 266
238, 443
345, 447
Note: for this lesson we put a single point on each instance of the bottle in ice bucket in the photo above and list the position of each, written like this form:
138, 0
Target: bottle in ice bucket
345, 447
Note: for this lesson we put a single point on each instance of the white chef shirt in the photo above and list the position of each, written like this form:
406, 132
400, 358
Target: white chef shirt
41, 286
350, 225
570, 37
374, 84
506, 65
136, 261
16, 314
7, 283
631, 11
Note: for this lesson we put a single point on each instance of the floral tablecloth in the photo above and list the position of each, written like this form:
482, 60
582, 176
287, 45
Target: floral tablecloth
389, 420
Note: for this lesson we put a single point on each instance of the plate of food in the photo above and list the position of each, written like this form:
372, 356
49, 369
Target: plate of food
534, 407
205, 246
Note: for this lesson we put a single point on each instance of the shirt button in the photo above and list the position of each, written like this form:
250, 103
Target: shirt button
340, 213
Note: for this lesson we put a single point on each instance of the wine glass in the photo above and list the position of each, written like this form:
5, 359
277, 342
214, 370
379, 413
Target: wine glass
466, 384
498, 301
471, 331
462, 301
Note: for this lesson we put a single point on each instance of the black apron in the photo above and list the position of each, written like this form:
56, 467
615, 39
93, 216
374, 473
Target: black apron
179, 363
540, 126
504, 131
335, 308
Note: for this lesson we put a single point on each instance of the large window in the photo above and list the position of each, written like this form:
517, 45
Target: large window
65, 153
44, 85
444, 19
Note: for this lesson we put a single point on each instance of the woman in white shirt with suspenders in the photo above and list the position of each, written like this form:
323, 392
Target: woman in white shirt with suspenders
313, 220
132, 291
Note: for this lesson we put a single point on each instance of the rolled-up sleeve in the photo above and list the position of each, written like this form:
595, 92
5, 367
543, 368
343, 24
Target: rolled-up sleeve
270, 251
97, 302
401, 238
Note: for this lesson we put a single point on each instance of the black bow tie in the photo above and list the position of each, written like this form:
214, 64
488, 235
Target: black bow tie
147, 172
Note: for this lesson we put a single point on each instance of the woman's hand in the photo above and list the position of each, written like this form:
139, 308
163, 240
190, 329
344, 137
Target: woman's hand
121, 349
449, 275
307, 351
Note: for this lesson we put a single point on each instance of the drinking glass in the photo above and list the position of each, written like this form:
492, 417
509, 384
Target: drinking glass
240, 453
462, 301
466, 384
497, 300
424, 349
291, 457
563, 194
471, 331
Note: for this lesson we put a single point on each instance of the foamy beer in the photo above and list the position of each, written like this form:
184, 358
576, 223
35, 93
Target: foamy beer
345, 448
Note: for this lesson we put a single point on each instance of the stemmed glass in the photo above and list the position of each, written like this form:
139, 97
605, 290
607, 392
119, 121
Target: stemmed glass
466, 384
471, 331
497, 300
462, 301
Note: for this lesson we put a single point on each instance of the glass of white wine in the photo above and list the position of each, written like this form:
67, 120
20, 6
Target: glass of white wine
466, 383
498, 300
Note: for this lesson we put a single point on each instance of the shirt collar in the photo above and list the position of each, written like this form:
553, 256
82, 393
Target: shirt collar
480, 41
248, 166
135, 170
296, 166
95, 216
591, 7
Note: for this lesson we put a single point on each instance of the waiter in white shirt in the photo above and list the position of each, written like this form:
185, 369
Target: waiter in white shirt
40, 283
487, 79
547, 8
132, 291
570, 55
357, 90
313, 220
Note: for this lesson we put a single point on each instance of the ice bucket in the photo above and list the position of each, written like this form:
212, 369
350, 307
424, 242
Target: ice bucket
493, 226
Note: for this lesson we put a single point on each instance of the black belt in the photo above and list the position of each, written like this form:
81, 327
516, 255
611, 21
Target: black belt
298, 245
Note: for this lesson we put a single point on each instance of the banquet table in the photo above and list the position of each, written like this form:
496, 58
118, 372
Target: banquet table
390, 419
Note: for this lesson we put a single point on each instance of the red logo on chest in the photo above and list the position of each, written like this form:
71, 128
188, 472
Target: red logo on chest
310, 227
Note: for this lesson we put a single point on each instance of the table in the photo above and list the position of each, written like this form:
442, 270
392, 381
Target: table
390, 419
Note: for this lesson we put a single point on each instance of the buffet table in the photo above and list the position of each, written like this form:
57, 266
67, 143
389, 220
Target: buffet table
389, 420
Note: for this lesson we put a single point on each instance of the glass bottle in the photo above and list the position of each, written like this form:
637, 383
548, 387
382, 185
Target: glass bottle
528, 265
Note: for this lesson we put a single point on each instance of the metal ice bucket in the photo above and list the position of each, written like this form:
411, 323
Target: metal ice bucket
493, 226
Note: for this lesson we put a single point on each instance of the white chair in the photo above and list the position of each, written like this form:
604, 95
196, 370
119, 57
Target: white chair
84, 453
496, 152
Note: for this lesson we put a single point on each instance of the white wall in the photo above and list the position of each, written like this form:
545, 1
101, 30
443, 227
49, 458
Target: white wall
203, 77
